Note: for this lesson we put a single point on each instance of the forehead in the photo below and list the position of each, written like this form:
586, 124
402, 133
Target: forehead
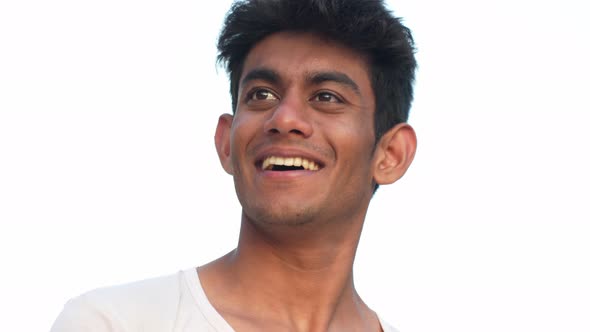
296, 55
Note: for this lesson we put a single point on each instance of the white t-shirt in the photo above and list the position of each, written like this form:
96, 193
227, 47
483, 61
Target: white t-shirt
175, 303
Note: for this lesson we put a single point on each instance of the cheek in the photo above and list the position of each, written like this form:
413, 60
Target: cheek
243, 131
354, 137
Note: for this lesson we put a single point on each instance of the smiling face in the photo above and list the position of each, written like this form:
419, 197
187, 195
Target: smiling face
300, 146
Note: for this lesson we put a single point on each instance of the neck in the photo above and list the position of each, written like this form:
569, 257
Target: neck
296, 275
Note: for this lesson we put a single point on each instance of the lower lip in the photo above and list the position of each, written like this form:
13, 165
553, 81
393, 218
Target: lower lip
286, 174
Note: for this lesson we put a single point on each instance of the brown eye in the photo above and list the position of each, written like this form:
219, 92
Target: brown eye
262, 94
326, 97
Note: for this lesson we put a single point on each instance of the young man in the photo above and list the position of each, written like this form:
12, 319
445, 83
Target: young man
321, 91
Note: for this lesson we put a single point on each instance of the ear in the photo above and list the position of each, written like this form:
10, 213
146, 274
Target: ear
222, 141
394, 154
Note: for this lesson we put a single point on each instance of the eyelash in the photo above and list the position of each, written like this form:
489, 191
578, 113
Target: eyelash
315, 97
253, 93
326, 93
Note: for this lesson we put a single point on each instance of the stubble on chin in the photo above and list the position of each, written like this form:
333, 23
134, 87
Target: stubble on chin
266, 216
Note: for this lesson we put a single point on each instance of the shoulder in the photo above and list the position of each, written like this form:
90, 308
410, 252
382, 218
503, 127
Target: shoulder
386, 327
128, 307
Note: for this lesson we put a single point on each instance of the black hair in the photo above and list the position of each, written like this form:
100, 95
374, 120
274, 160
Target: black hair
365, 26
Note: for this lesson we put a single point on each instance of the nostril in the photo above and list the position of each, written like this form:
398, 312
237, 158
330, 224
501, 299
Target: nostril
292, 131
296, 131
282, 125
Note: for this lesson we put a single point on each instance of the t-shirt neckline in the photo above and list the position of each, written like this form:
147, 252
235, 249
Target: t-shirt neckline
213, 316
209, 312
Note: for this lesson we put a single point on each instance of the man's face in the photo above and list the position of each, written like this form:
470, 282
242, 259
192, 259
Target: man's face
301, 140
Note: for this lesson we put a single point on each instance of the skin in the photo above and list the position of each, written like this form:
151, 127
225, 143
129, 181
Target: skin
301, 95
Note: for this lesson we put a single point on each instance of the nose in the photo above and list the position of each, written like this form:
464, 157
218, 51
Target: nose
289, 117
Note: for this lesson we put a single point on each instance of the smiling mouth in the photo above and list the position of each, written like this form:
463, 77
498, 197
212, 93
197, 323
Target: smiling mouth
274, 163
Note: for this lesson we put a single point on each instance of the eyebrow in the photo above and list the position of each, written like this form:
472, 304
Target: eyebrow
263, 74
333, 76
316, 78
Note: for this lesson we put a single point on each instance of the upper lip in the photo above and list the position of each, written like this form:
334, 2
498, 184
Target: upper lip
287, 152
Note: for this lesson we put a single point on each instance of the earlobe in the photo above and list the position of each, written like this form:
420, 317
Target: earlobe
394, 153
222, 141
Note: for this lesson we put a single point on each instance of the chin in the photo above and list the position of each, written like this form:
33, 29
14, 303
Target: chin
279, 215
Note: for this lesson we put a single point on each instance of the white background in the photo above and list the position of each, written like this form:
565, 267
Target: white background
108, 172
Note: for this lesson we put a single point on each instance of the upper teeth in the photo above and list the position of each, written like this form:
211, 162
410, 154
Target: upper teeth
289, 161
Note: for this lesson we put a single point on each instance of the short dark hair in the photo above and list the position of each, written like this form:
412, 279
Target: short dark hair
365, 26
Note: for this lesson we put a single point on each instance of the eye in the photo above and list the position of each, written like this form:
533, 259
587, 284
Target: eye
326, 97
262, 94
